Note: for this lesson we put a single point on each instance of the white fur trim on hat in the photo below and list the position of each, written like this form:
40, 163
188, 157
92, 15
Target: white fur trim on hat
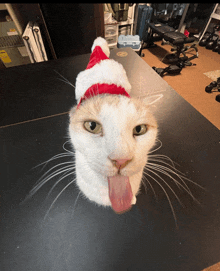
107, 71
103, 44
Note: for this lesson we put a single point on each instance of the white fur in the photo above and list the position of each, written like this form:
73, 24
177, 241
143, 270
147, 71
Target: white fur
117, 142
107, 71
103, 44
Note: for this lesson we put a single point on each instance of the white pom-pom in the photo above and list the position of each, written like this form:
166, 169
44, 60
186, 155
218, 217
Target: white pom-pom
103, 44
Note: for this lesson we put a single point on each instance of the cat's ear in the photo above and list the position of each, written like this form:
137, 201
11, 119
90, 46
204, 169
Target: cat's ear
149, 100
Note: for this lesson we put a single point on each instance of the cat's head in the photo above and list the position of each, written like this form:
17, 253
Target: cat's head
113, 134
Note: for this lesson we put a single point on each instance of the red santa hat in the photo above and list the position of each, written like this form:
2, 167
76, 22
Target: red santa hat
102, 75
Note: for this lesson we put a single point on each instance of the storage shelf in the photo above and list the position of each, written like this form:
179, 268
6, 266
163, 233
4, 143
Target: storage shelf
112, 45
11, 41
3, 7
212, 16
215, 16
129, 21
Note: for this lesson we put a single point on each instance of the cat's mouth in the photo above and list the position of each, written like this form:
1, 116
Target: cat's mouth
120, 193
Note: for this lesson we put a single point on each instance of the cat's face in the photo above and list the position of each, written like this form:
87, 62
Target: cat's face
108, 128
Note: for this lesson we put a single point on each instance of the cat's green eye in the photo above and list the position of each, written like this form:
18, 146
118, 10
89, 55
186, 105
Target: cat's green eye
93, 127
140, 129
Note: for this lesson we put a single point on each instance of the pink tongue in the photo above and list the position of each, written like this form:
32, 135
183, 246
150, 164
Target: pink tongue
120, 193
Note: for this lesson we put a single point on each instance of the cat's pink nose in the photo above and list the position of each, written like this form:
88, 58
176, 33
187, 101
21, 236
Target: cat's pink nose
121, 163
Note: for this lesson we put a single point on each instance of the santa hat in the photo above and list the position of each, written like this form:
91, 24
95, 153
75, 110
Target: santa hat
102, 75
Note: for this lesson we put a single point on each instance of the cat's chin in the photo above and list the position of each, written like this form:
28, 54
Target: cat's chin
97, 190
95, 186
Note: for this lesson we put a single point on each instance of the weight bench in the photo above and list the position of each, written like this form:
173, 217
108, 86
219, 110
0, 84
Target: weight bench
175, 39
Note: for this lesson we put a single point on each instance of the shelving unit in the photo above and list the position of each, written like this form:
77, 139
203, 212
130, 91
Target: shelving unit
113, 29
111, 34
214, 15
12, 48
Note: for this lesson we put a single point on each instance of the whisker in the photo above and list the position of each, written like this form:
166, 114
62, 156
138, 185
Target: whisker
180, 176
74, 206
145, 186
53, 158
162, 162
65, 80
58, 172
72, 165
157, 147
69, 162
73, 153
176, 182
161, 168
168, 198
57, 182
163, 157
57, 198
167, 185
39, 185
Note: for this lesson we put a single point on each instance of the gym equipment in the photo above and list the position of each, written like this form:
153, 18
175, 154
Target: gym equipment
210, 39
217, 98
171, 69
177, 40
210, 87
176, 58
205, 39
169, 13
212, 42
214, 85
216, 47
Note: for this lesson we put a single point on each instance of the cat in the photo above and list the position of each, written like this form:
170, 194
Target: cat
110, 132
112, 135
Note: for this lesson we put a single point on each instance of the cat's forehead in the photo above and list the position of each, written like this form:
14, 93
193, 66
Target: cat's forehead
118, 108
123, 106
125, 111
105, 108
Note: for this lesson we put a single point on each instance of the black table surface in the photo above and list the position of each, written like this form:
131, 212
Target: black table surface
76, 234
